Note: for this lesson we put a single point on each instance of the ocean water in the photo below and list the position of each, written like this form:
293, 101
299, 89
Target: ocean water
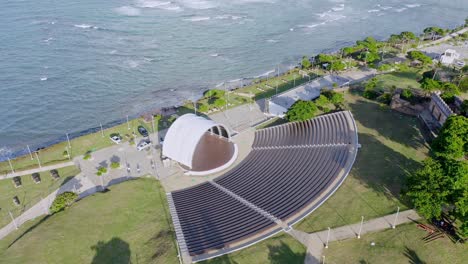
66, 66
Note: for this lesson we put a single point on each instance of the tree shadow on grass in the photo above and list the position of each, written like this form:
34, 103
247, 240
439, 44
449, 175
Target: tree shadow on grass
283, 254
388, 123
115, 251
30, 229
413, 256
381, 168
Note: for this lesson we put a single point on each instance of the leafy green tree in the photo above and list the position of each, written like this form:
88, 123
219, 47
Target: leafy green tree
203, 108
418, 55
214, 93
464, 84
323, 58
337, 66
301, 110
433, 31
429, 85
452, 141
220, 102
464, 107
406, 94
370, 90
62, 201
322, 101
306, 62
429, 189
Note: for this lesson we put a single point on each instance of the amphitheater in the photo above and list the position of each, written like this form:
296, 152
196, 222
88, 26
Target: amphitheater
290, 171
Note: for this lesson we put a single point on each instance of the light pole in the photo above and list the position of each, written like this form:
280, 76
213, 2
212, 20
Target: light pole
38, 161
68, 153
360, 227
396, 217
128, 125
11, 166
328, 237
102, 131
68, 139
30, 154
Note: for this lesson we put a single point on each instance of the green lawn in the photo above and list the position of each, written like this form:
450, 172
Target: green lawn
280, 249
395, 246
400, 79
29, 193
79, 146
392, 145
128, 224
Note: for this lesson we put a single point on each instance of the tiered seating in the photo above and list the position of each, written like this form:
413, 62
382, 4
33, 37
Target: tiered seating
283, 181
329, 129
292, 168
210, 218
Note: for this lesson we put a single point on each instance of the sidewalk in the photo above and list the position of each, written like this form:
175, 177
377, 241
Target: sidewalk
31, 171
315, 242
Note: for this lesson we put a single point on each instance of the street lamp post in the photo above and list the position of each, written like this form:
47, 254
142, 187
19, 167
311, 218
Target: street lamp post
102, 131
128, 125
68, 139
360, 227
11, 166
328, 237
396, 217
38, 161
30, 154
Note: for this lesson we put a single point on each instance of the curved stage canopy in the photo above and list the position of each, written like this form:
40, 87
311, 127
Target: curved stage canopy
291, 170
188, 142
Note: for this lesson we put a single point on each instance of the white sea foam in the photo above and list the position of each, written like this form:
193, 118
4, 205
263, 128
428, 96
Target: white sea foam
400, 9
272, 41
214, 55
165, 5
265, 74
385, 7
132, 64
48, 39
198, 4
340, 7
197, 18
128, 11
373, 11
413, 5
43, 78
226, 16
85, 26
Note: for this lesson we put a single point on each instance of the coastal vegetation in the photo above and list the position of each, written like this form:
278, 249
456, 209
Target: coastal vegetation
397, 246
30, 192
128, 224
62, 201
441, 184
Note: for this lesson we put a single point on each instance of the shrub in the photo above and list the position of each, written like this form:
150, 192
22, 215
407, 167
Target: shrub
114, 135
219, 102
203, 108
115, 165
301, 110
418, 55
101, 171
87, 156
385, 98
214, 93
62, 201
406, 94
65, 153
131, 141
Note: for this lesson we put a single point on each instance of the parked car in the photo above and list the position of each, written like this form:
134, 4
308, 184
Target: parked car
142, 130
116, 138
144, 145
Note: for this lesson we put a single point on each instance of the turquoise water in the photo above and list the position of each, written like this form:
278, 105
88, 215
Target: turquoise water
66, 66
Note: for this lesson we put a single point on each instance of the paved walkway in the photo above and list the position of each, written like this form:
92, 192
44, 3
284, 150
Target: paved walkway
31, 171
315, 242
443, 39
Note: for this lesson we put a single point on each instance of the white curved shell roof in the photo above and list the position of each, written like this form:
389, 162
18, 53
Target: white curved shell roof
183, 136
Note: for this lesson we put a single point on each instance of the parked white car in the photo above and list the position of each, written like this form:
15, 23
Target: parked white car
116, 139
143, 145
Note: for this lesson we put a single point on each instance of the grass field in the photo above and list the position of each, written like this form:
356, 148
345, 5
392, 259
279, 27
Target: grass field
128, 224
398, 246
29, 193
400, 79
280, 249
392, 146
79, 146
